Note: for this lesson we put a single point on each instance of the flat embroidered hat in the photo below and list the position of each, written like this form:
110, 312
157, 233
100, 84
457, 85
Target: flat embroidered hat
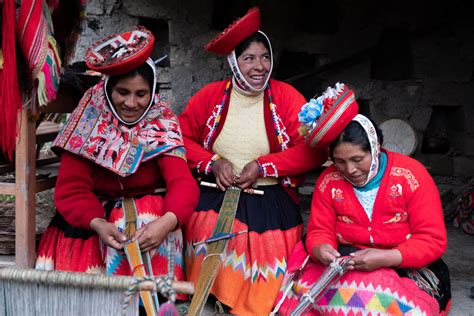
121, 53
235, 33
325, 117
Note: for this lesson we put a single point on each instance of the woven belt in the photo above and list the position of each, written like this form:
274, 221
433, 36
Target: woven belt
215, 251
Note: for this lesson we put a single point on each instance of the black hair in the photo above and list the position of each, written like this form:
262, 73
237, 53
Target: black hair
255, 37
355, 134
144, 70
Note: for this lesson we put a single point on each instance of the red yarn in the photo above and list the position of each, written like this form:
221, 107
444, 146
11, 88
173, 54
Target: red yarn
10, 96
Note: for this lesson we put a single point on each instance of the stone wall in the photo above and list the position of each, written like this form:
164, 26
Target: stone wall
411, 60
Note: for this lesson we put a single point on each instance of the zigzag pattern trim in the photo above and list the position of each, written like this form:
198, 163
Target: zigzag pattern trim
256, 273
362, 299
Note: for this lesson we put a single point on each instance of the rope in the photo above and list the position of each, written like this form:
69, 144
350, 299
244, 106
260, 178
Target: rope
128, 295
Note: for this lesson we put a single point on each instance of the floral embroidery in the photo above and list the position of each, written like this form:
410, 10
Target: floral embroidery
396, 190
402, 172
333, 176
337, 194
399, 217
345, 219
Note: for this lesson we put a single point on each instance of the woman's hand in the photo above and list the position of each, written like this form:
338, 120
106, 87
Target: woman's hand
108, 233
152, 234
224, 173
370, 259
325, 253
249, 175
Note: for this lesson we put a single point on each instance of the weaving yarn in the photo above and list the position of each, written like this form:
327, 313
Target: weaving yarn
58, 293
35, 32
10, 96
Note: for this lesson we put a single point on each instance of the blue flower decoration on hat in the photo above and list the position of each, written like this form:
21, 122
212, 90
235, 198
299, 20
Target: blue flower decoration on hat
311, 111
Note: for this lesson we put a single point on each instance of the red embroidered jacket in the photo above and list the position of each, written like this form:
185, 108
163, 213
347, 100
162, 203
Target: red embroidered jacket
407, 213
80, 182
204, 117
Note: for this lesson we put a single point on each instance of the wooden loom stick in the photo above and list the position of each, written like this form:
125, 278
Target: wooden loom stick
133, 253
214, 256
249, 191
135, 260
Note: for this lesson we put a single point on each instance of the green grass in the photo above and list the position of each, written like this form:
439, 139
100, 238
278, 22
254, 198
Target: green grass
7, 198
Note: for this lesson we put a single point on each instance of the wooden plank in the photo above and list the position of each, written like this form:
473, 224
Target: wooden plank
25, 203
39, 162
7, 261
45, 184
47, 131
7, 188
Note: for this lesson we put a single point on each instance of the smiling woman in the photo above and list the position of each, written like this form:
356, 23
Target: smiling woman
120, 145
131, 94
242, 132
377, 209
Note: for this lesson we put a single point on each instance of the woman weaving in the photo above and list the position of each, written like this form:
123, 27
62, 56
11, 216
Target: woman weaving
243, 132
380, 208
122, 141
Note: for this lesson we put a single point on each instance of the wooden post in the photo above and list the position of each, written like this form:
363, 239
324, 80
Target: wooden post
25, 199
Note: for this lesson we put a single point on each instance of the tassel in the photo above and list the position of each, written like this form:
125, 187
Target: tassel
10, 95
50, 74
35, 32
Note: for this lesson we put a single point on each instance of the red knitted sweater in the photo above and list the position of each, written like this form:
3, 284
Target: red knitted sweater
407, 213
80, 183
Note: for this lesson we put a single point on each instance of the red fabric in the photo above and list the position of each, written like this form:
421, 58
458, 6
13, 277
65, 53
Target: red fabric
193, 121
136, 45
356, 293
10, 97
327, 130
407, 213
81, 181
237, 32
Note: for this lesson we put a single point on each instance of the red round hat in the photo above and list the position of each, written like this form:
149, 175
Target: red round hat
233, 35
339, 108
121, 53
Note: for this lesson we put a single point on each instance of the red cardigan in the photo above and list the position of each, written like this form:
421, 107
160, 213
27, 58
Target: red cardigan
407, 214
196, 125
80, 182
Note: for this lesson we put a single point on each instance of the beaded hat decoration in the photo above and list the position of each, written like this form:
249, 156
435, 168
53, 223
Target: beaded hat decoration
121, 53
233, 35
324, 118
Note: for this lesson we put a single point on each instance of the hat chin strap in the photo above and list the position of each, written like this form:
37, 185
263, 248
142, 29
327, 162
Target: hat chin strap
239, 81
150, 63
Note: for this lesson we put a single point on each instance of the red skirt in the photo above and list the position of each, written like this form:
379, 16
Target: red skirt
380, 292
67, 248
254, 262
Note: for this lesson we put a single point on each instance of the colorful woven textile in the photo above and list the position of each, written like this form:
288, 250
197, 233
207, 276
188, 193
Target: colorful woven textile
253, 263
88, 133
120, 53
379, 292
35, 33
10, 97
64, 247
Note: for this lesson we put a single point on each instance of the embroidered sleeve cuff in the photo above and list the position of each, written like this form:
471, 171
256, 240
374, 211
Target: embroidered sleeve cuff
206, 168
267, 169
